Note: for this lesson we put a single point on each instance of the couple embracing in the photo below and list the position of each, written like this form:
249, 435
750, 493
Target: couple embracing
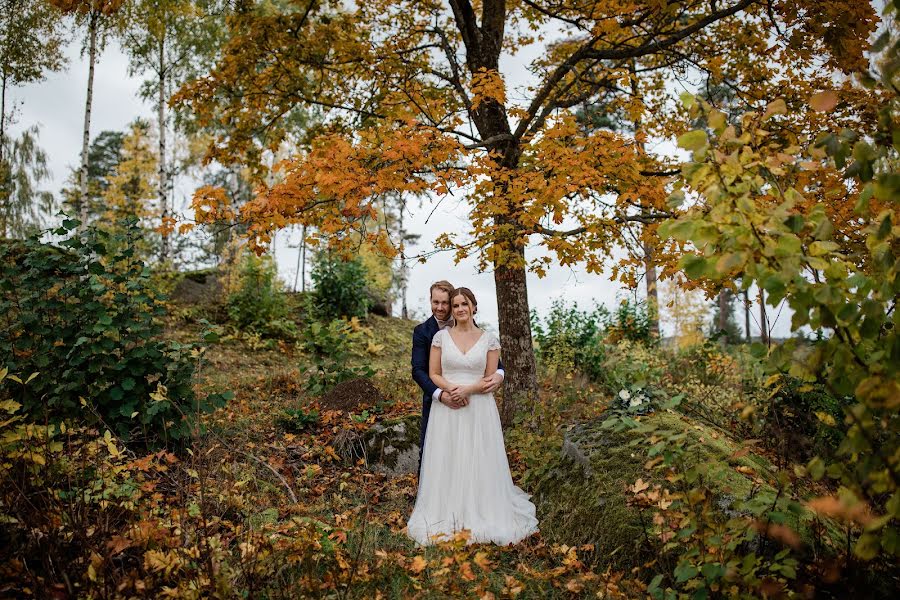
464, 478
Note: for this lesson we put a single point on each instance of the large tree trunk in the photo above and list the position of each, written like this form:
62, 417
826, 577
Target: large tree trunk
93, 26
652, 292
484, 43
163, 172
520, 386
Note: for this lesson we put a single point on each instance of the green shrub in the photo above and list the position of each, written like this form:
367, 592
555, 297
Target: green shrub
85, 315
629, 321
257, 302
569, 338
339, 288
328, 347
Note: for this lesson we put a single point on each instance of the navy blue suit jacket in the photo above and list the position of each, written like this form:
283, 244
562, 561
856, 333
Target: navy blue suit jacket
421, 353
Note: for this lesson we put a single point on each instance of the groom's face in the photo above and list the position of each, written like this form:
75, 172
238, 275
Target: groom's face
440, 304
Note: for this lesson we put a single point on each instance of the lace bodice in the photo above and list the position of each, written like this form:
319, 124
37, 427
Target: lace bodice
461, 368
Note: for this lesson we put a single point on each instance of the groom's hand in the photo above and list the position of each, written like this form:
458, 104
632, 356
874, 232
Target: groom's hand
491, 383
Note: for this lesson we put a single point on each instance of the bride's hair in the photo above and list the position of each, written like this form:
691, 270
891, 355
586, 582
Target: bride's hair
467, 293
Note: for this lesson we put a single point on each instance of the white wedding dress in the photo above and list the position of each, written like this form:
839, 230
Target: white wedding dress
465, 481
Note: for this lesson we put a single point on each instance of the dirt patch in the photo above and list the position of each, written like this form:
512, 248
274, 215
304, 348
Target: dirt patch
352, 396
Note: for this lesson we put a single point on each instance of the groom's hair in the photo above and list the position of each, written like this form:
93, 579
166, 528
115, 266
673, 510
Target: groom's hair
442, 285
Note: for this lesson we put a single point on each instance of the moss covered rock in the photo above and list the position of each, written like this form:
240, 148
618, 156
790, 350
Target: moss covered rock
581, 498
392, 446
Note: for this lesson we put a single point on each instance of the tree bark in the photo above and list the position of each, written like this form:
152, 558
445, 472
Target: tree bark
652, 292
93, 26
483, 45
520, 386
163, 172
723, 309
404, 268
763, 323
3, 170
747, 316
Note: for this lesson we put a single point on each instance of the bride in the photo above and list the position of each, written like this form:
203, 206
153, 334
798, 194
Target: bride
464, 482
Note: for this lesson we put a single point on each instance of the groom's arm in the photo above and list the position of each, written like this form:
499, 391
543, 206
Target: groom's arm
421, 350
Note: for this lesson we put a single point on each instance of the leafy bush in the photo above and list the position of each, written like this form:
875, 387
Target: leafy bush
569, 338
630, 321
89, 317
328, 347
803, 419
257, 302
630, 365
339, 288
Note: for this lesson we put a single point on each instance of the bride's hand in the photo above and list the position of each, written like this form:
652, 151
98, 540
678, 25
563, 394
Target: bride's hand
460, 395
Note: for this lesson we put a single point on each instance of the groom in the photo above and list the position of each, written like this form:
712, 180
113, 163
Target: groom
421, 350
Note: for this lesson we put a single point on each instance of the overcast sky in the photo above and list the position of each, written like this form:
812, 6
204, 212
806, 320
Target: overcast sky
57, 105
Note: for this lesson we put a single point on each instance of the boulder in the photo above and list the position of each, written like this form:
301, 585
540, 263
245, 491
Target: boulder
199, 287
392, 446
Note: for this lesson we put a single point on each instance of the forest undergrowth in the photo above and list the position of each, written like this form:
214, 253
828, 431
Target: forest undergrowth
265, 501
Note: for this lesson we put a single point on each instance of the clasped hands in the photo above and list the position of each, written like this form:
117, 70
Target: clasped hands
457, 396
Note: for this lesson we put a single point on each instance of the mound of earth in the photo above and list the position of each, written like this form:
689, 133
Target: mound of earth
581, 495
198, 287
352, 396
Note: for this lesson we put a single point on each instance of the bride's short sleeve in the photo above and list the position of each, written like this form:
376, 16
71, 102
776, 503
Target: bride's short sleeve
438, 338
493, 342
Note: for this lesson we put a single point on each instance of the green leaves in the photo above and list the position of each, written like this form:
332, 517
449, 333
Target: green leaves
90, 320
827, 245
693, 140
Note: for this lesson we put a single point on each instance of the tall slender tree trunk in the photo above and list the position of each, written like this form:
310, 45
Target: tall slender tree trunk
652, 291
93, 26
4, 172
747, 316
649, 262
404, 268
763, 322
303, 260
2, 118
723, 309
163, 171
724, 301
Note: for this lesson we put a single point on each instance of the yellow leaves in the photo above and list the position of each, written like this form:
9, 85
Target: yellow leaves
639, 486
776, 107
211, 204
513, 587
481, 559
465, 571
110, 444
487, 85
418, 564
824, 101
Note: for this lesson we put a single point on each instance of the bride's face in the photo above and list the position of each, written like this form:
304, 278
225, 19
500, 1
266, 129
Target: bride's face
462, 309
